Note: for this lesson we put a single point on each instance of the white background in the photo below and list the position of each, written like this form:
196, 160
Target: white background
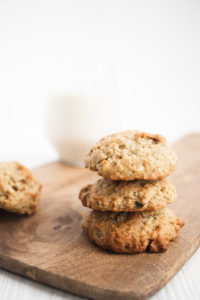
155, 49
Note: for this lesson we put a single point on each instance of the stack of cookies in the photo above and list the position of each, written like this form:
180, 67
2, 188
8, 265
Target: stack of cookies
129, 203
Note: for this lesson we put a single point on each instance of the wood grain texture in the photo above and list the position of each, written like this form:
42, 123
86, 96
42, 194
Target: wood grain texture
50, 246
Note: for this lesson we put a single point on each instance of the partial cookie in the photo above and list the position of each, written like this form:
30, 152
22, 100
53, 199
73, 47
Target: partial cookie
19, 189
132, 155
138, 195
128, 232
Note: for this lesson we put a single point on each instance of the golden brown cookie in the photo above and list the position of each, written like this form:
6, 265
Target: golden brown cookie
132, 155
19, 189
138, 195
129, 232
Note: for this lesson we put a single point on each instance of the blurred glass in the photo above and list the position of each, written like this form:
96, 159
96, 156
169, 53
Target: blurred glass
83, 109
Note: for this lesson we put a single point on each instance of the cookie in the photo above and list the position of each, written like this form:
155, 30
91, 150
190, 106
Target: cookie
128, 232
131, 155
138, 195
19, 189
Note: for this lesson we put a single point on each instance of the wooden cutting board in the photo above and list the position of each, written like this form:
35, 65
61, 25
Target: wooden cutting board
51, 247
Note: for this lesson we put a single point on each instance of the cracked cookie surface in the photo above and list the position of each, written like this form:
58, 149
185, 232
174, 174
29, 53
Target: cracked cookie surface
19, 189
131, 155
128, 232
138, 195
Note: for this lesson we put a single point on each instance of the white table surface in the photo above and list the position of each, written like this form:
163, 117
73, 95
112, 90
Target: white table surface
185, 285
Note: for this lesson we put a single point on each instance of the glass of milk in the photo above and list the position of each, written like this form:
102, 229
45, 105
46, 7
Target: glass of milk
83, 108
